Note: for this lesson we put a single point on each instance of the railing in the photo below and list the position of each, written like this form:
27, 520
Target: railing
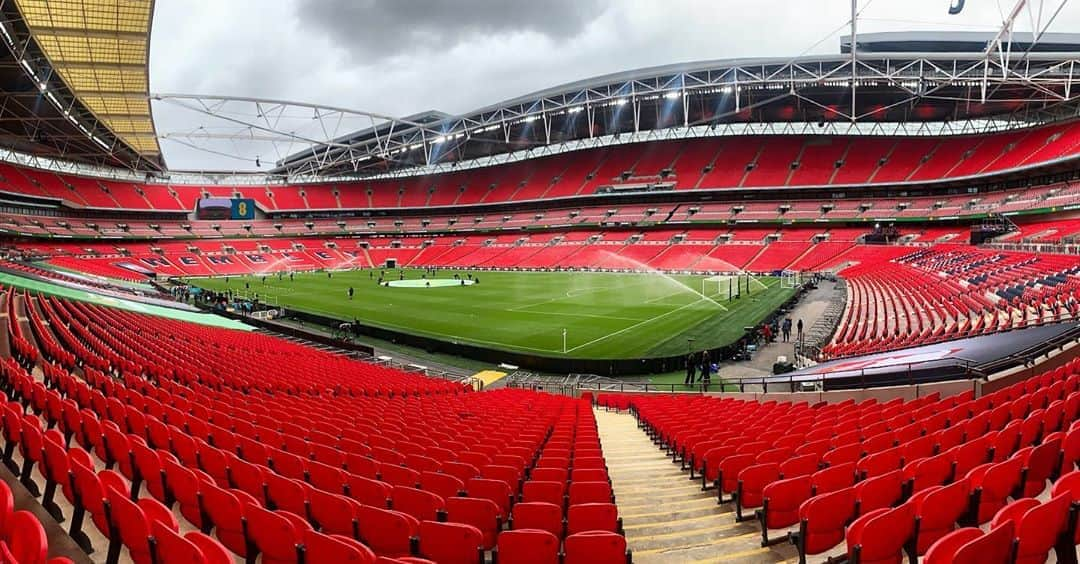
895, 375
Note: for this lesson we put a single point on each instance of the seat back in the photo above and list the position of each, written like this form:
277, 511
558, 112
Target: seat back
451, 543
528, 545
538, 515
592, 517
594, 546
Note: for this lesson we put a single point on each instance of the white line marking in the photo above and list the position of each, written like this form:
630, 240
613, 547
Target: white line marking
636, 325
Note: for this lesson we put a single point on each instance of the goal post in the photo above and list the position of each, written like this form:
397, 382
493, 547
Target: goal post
715, 286
790, 279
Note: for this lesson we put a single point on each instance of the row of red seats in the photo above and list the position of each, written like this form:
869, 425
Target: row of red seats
752, 161
161, 429
948, 292
833, 470
22, 537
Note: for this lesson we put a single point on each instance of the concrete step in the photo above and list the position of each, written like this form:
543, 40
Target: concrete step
666, 516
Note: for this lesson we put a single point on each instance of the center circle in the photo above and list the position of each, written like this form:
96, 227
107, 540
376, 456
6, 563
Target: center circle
434, 283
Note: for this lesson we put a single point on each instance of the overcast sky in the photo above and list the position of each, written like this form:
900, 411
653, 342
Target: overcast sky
399, 57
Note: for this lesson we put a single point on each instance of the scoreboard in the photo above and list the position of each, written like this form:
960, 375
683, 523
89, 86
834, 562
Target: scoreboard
226, 208
242, 208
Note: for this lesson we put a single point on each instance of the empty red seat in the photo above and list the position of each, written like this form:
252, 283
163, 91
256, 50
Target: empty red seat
583, 517
991, 485
970, 546
24, 541
278, 536
1038, 526
335, 548
387, 532
590, 492
538, 515
595, 546
420, 504
335, 514
480, 513
780, 504
528, 546
547, 492
132, 523
880, 535
822, 520
937, 509
451, 543
193, 548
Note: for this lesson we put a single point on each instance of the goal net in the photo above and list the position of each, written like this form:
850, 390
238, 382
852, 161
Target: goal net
719, 287
790, 279
731, 286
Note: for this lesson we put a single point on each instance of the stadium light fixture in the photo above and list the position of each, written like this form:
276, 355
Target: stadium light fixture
621, 102
672, 95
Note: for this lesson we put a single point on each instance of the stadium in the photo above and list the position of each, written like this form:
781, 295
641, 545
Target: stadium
810, 308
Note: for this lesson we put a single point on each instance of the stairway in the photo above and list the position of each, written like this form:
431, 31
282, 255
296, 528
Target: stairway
666, 516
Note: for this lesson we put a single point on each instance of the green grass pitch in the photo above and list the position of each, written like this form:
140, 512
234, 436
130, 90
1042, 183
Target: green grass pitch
605, 315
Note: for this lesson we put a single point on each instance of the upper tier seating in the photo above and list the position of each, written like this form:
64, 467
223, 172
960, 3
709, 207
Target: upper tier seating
275, 449
706, 163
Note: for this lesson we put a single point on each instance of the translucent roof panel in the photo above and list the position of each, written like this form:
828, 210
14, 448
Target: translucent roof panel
100, 48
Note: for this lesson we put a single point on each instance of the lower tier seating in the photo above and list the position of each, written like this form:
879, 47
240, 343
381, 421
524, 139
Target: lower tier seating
874, 480
266, 448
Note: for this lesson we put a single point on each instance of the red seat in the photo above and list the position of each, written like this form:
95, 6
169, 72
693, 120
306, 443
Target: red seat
368, 491
538, 515
480, 513
1038, 526
547, 492
926, 472
833, 478
751, 484
420, 504
593, 517
800, 465
937, 510
527, 546
822, 519
879, 492
441, 484
1039, 464
991, 485
335, 548
590, 492
971, 546
186, 488
879, 536
495, 490
335, 514
387, 532
192, 548
880, 462
131, 523
277, 535
451, 543
25, 541
780, 504
595, 546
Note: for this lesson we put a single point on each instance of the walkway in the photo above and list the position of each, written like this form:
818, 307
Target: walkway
810, 308
667, 517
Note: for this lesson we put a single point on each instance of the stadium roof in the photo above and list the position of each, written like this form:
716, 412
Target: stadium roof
819, 94
959, 42
76, 72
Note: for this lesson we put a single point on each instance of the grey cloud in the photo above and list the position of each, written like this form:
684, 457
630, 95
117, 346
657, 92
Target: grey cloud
379, 29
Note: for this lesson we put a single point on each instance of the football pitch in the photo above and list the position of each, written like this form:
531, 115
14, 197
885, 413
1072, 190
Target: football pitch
604, 315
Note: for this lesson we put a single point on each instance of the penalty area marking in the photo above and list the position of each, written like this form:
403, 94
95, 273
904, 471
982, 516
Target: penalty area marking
434, 283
